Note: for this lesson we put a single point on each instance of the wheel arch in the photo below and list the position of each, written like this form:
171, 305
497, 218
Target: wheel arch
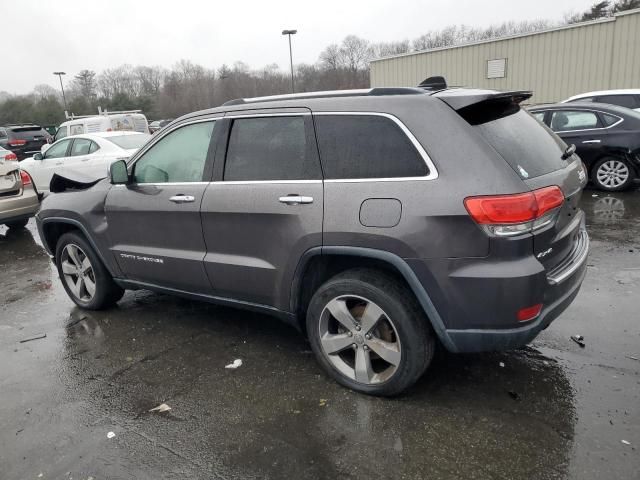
321, 263
52, 228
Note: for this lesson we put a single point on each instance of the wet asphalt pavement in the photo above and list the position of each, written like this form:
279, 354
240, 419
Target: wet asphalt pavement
555, 410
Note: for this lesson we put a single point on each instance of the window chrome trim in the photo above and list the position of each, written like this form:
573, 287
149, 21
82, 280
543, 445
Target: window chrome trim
433, 172
552, 110
258, 182
260, 115
161, 184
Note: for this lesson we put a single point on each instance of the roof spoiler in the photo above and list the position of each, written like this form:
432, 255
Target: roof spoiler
463, 98
433, 83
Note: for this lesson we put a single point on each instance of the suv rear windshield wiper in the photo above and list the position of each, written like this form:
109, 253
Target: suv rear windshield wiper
571, 149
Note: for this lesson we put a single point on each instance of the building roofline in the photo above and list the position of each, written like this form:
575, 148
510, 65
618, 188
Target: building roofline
511, 37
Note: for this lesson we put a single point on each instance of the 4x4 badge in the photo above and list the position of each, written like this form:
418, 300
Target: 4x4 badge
544, 253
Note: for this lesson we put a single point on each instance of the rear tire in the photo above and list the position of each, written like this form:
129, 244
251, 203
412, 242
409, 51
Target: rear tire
383, 341
17, 224
612, 174
84, 277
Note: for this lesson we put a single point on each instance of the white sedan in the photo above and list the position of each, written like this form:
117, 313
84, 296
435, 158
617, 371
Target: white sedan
88, 155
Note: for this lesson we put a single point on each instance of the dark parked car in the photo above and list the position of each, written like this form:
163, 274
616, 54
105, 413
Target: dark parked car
607, 139
379, 222
23, 140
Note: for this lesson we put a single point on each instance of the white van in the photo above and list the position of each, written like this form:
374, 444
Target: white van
129, 120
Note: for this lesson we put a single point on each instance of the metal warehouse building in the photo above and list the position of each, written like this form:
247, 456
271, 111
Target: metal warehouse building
556, 63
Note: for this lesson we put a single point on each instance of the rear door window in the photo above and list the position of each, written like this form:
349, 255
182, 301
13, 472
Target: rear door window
269, 148
567, 120
81, 146
527, 146
366, 146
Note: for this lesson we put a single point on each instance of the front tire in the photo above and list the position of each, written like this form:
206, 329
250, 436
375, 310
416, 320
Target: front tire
612, 174
368, 332
84, 277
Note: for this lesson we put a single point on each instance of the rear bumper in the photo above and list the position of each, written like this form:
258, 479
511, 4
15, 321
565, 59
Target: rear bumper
478, 302
19, 207
482, 340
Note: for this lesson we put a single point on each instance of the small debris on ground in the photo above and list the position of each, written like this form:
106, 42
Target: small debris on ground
111, 435
323, 402
514, 395
163, 407
626, 442
579, 339
501, 364
35, 337
236, 363
633, 358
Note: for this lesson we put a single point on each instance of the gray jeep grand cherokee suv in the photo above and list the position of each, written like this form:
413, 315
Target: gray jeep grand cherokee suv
379, 222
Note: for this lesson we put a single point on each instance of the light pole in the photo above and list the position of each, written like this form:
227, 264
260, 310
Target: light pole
62, 88
290, 32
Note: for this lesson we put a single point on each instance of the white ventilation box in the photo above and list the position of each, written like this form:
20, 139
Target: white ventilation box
497, 68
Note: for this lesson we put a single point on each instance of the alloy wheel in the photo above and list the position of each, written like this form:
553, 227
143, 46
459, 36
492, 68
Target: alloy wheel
78, 272
359, 339
612, 173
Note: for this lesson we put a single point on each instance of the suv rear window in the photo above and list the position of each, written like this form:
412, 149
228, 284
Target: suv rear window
524, 143
27, 133
366, 146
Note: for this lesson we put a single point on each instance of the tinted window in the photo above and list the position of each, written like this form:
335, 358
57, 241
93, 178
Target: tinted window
61, 133
3, 133
28, 133
538, 116
366, 146
269, 148
94, 147
565, 120
609, 119
180, 156
57, 150
628, 101
527, 146
80, 146
129, 141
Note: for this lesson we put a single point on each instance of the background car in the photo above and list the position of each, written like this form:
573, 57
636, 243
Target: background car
629, 98
24, 140
120, 121
88, 155
18, 198
607, 139
158, 124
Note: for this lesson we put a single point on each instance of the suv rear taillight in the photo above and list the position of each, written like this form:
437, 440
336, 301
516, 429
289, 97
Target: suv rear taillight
17, 143
26, 179
11, 157
507, 215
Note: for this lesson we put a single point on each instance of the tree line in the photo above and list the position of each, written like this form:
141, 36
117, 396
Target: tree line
168, 93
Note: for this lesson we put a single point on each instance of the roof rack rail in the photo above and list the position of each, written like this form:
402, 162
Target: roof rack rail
372, 92
104, 112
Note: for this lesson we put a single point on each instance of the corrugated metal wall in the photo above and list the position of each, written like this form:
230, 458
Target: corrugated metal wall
556, 64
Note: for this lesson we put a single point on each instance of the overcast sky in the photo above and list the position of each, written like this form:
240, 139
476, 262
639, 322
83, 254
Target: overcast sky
71, 35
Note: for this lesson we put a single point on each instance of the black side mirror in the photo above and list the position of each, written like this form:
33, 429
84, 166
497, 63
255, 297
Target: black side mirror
38, 156
118, 173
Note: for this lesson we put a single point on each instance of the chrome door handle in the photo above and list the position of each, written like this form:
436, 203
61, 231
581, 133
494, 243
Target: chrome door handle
295, 199
182, 199
591, 141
